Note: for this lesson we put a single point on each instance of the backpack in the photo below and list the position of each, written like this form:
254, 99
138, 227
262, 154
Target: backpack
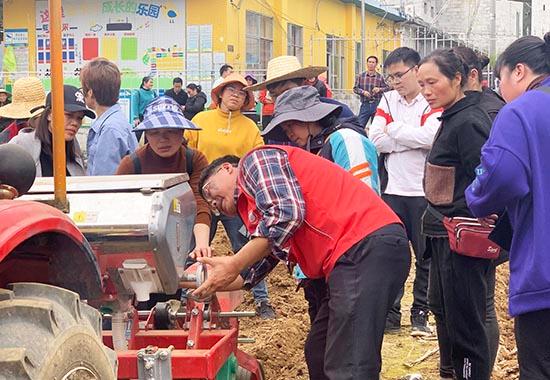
188, 162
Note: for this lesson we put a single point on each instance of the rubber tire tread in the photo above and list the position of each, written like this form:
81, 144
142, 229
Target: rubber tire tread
45, 331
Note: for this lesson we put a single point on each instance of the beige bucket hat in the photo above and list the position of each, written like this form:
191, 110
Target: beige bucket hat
233, 78
27, 94
286, 67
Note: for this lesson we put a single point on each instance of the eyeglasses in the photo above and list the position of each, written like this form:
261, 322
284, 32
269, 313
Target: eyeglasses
393, 78
236, 92
207, 195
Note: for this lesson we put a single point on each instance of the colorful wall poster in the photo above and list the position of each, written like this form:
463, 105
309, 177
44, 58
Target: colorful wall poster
140, 36
17, 41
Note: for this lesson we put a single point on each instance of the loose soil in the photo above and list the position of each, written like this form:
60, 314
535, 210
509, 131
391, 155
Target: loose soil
279, 343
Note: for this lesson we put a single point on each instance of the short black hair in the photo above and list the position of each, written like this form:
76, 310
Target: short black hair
532, 51
144, 80
448, 63
194, 87
473, 59
211, 169
408, 56
224, 68
372, 56
177, 80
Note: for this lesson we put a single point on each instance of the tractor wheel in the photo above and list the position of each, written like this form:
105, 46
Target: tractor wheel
244, 374
47, 333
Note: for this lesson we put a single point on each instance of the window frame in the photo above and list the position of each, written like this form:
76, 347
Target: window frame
262, 38
295, 43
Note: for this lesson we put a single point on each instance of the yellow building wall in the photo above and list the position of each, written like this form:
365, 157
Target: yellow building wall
318, 19
212, 12
21, 14
228, 19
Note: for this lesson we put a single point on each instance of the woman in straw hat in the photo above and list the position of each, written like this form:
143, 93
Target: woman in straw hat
286, 72
4, 97
225, 130
38, 142
28, 93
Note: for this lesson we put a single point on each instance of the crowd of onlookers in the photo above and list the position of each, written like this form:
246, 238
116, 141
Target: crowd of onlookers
430, 146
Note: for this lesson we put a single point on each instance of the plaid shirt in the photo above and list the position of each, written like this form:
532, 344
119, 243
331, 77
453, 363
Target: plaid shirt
366, 82
266, 173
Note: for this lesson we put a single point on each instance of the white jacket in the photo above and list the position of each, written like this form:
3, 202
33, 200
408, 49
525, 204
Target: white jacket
406, 132
26, 138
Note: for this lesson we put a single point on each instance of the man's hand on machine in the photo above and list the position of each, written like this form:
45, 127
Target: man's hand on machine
187, 283
223, 274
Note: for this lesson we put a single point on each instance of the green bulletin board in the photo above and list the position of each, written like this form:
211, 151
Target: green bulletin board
129, 48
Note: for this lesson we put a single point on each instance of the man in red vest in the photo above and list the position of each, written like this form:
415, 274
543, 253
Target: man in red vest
301, 208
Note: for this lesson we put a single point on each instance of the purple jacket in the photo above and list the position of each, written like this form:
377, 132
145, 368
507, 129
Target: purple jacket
515, 175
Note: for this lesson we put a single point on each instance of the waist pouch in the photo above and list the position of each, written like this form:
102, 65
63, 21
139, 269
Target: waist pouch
468, 237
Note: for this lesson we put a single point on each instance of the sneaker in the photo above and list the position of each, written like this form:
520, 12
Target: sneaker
265, 311
392, 327
419, 322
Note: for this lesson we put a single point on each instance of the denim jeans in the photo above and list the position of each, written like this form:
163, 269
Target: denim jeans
366, 111
236, 231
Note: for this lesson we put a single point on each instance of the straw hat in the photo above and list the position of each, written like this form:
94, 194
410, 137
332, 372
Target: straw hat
28, 93
287, 67
233, 78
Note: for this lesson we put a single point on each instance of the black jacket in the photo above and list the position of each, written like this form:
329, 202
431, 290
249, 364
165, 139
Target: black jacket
180, 97
489, 101
194, 105
453, 159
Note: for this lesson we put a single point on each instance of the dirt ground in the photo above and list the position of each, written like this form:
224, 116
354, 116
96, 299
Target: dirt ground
279, 343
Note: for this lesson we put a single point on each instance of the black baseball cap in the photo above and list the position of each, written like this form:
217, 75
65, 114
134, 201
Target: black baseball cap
74, 101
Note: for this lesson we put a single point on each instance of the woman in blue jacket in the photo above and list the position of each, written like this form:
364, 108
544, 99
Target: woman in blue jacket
515, 175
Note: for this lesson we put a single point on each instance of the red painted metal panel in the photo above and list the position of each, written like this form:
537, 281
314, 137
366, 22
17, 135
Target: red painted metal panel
186, 364
20, 220
250, 363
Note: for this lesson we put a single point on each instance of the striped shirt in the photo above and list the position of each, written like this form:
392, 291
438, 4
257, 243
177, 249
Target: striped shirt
355, 153
366, 82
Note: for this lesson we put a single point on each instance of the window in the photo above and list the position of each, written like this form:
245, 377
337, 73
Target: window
259, 40
335, 61
295, 41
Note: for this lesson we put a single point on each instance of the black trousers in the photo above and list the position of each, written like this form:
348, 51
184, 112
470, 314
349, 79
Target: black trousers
346, 336
410, 210
491, 325
533, 342
315, 293
459, 289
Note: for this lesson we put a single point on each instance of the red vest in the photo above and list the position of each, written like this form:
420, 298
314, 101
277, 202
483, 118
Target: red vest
340, 211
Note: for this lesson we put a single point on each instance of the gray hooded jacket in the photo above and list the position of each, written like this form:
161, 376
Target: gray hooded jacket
27, 140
